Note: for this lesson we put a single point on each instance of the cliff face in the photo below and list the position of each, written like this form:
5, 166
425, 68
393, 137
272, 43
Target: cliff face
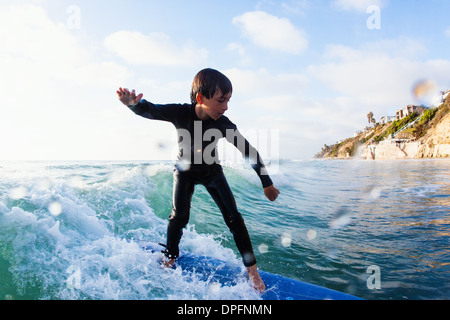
436, 143
429, 138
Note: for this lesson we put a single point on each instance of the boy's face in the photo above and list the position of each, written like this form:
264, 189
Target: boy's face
216, 106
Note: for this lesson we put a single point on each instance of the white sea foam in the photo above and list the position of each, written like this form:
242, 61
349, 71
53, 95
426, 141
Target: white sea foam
69, 240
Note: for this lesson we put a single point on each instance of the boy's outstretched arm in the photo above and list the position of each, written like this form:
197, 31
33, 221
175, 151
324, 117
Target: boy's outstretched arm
271, 193
128, 98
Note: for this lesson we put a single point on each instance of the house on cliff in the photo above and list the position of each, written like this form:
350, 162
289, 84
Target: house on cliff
386, 119
403, 113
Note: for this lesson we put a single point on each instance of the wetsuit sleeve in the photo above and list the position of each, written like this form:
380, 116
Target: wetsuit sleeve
251, 154
167, 112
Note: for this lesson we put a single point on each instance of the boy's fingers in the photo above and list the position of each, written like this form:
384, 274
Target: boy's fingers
124, 93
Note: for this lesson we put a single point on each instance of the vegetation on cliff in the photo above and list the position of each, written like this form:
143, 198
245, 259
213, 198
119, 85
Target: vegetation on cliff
429, 120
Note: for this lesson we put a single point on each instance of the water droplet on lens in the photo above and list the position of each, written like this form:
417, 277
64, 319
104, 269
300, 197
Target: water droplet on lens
423, 88
76, 182
18, 193
183, 165
374, 193
248, 258
426, 92
286, 240
151, 171
341, 218
55, 208
263, 248
311, 234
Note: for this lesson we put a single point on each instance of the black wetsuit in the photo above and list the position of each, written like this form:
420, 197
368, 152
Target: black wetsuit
198, 163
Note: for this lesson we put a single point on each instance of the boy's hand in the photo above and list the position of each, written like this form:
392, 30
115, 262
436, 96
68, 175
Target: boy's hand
129, 98
271, 193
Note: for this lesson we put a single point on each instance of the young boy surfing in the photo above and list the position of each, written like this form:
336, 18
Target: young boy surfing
200, 125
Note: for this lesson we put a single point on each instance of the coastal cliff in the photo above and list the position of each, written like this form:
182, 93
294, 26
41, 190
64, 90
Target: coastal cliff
421, 136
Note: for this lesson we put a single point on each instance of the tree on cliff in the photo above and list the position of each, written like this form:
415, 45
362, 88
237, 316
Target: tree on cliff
370, 117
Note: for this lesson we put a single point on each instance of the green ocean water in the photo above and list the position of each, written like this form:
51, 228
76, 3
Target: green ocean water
73, 230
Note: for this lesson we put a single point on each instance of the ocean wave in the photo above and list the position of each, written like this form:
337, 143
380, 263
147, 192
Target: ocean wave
74, 230
89, 247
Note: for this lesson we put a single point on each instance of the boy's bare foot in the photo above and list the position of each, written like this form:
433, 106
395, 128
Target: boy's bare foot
255, 278
167, 263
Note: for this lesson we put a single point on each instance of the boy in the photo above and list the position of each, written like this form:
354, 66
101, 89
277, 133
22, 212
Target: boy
200, 125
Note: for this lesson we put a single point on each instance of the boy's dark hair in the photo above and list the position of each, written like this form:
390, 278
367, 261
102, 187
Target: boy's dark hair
207, 81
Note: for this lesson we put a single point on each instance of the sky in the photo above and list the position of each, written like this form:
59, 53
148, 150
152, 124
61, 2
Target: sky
305, 73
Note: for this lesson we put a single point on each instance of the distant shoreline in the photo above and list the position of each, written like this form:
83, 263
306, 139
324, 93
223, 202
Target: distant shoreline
424, 136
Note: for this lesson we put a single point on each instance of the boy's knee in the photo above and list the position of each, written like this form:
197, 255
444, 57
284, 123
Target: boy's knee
235, 221
178, 218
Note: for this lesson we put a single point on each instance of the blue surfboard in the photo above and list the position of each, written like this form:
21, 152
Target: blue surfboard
277, 287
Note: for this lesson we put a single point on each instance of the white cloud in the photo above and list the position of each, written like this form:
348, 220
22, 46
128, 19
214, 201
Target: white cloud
153, 49
378, 77
236, 47
261, 83
270, 32
245, 58
58, 94
357, 5
263, 100
36, 39
373, 76
330, 101
36, 50
304, 124
401, 47
296, 7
